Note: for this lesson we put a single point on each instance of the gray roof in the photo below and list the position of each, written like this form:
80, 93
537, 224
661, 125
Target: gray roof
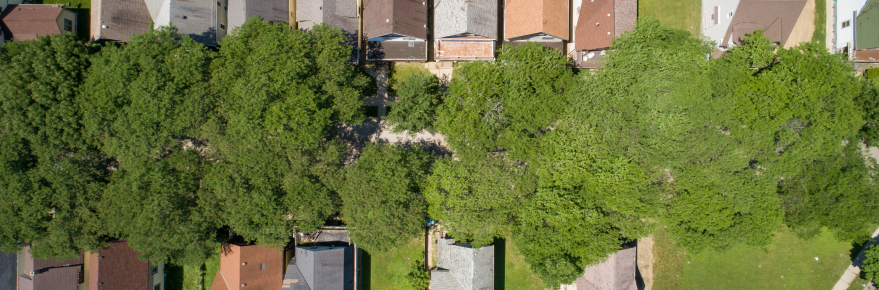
455, 17
8, 270
472, 268
293, 279
336, 13
617, 273
269, 10
200, 21
326, 267
118, 20
442, 279
396, 50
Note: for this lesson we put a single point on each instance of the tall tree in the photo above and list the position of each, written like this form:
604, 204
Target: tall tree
478, 201
40, 91
478, 118
415, 111
383, 203
146, 95
279, 94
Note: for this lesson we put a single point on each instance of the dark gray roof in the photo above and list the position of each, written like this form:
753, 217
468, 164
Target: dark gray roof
200, 21
473, 268
442, 279
454, 17
336, 13
326, 267
293, 279
269, 10
118, 20
8, 270
396, 50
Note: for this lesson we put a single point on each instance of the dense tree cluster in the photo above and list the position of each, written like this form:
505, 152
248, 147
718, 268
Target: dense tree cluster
174, 146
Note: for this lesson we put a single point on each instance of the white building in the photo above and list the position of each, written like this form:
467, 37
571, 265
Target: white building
844, 32
717, 15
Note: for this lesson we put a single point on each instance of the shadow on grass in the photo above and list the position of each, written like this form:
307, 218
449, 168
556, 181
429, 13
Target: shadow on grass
500, 252
365, 270
174, 275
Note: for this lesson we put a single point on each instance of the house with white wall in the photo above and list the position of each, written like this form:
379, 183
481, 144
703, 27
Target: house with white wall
717, 15
843, 28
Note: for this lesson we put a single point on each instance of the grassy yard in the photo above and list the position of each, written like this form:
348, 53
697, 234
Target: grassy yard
820, 34
682, 14
186, 277
517, 275
789, 263
81, 8
388, 270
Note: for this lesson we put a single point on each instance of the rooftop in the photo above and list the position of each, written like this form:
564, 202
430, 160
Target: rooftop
457, 17
403, 17
867, 26
524, 18
28, 21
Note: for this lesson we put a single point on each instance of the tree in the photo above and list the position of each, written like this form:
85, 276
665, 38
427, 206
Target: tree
39, 95
153, 204
868, 102
871, 262
478, 202
478, 118
279, 94
382, 198
145, 96
416, 110
50, 203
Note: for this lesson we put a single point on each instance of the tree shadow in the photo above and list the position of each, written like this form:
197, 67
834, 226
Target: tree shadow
365, 270
174, 277
500, 252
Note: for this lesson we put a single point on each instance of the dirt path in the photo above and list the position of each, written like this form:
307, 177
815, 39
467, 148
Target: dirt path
645, 262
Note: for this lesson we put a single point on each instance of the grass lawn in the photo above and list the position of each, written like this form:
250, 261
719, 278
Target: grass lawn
81, 8
681, 14
388, 270
186, 277
820, 34
517, 275
789, 263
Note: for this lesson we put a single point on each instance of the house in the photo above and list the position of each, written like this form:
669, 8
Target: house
866, 39
244, 266
395, 30
118, 267
717, 15
617, 273
44, 274
3, 4
270, 10
460, 267
598, 22
542, 21
785, 22
844, 32
29, 21
337, 13
205, 21
8, 270
327, 266
465, 29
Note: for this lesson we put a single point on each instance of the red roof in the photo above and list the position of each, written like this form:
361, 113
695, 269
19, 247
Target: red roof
27, 21
600, 21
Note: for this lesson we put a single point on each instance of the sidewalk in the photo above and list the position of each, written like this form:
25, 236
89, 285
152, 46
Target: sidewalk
854, 269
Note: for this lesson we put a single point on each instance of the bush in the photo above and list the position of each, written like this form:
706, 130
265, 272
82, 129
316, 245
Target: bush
416, 110
400, 72
418, 278
871, 73
871, 262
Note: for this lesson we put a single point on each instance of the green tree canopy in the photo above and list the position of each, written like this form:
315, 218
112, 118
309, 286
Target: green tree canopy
146, 95
40, 91
505, 104
383, 203
478, 202
416, 109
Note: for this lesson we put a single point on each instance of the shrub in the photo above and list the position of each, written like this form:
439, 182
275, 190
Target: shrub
871, 262
871, 73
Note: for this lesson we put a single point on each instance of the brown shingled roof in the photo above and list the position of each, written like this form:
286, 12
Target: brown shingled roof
526, 17
234, 272
602, 20
775, 17
118, 268
404, 17
63, 278
28, 21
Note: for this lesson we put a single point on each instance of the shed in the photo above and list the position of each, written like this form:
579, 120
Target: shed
465, 29
395, 30
462, 267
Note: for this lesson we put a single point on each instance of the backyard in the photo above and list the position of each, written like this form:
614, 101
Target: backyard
186, 277
681, 14
516, 274
388, 270
789, 263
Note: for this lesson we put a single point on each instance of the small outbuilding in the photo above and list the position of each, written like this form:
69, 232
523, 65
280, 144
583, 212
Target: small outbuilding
461, 267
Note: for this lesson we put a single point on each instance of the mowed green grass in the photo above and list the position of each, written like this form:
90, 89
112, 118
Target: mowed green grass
186, 277
388, 270
681, 14
789, 263
81, 8
517, 275
820, 34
